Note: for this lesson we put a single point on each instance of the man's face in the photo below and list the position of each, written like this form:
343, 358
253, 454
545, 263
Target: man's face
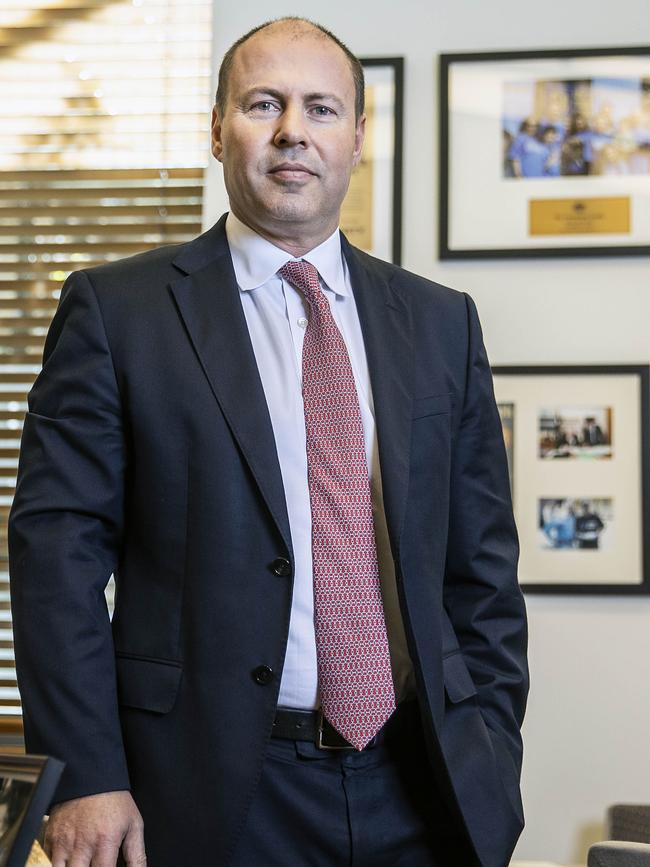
288, 139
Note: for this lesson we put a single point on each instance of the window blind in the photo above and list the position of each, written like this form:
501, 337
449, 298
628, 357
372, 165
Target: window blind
103, 145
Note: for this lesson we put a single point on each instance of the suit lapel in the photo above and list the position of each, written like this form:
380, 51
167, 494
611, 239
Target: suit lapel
208, 301
385, 323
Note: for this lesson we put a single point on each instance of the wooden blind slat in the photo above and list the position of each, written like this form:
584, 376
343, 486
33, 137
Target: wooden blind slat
103, 147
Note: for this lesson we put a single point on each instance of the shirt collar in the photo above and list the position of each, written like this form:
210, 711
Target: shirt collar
257, 260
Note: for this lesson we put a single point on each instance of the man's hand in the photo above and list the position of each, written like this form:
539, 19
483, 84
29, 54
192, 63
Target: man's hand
89, 831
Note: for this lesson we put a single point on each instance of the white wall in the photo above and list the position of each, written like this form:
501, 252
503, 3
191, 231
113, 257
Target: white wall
589, 714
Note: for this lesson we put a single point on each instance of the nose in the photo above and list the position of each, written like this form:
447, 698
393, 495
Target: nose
291, 130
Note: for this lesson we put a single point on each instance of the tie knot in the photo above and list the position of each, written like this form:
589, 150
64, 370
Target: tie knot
304, 276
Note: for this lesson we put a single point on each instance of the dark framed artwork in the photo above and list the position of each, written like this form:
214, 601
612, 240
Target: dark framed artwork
27, 786
580, 452
545, 153
371, 216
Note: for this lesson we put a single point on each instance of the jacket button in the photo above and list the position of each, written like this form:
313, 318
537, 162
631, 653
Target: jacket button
262, 675
281, 567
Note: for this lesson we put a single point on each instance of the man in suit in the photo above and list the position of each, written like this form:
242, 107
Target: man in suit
289, 455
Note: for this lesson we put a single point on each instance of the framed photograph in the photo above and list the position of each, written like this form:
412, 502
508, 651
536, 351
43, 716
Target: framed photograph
577, 440
545, 153
507, 414
27, 786
371, 216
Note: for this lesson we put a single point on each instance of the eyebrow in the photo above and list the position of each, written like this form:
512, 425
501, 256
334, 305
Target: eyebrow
309, 97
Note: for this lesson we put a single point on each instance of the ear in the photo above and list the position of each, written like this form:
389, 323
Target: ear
359, 135
215, 135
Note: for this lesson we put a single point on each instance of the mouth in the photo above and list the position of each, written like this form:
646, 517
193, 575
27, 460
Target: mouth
291, 172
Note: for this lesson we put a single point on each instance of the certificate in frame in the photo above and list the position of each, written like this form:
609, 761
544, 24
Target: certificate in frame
371, 215
579, 444
545, 153
27, 786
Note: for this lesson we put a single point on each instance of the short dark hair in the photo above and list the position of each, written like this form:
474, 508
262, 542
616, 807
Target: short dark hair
228, 59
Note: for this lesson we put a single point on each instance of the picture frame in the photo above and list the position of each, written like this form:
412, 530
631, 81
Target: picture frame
580, 452
27, 786
371, 215
545, 153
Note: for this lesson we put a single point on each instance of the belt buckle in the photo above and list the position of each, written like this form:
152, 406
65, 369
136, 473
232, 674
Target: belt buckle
319, 740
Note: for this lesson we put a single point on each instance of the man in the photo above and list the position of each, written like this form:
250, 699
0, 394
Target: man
592, 433
589, 526
310, 662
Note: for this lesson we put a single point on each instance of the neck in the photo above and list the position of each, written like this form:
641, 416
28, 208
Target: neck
292, 240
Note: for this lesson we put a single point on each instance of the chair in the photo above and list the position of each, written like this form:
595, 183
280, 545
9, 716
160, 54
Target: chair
619, 853
628, 830
629, 822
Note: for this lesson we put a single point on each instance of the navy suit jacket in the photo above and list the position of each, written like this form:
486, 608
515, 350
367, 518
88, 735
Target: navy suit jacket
148, 452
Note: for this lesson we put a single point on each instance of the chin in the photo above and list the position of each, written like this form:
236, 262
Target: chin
293, 212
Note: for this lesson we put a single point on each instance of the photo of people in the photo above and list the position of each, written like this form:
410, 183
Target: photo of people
575, 432
595, 126
507, 413
575, 524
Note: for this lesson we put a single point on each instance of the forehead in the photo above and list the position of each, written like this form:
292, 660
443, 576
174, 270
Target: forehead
290, 59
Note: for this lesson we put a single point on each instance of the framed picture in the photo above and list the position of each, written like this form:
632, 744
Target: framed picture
577, 442
545, 153
27, 786
371, 216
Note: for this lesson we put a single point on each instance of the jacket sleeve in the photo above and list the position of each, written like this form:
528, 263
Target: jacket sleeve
65, 532
482, 596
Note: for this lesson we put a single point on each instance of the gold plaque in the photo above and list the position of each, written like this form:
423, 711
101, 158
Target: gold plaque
607, 216
356, 212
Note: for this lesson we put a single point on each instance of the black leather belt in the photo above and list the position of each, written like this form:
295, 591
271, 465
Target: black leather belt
309, 725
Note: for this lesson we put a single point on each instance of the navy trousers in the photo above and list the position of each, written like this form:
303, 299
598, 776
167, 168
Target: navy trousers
374, 808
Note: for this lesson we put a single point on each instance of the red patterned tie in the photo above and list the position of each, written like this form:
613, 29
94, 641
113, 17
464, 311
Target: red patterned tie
354, 671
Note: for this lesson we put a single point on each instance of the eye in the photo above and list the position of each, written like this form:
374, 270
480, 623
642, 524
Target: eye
264, 106
323, 111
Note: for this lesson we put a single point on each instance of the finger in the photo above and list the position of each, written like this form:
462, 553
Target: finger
58, 843
80, 858
133, 845
58, 853
105, 855
52, 842
93, 852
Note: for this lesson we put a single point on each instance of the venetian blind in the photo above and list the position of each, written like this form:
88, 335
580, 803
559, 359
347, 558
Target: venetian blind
103, 145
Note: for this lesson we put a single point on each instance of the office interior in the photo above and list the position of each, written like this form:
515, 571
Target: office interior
586, 730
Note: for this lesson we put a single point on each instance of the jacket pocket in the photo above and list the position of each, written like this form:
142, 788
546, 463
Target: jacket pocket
437, 404
457, 679
147, 684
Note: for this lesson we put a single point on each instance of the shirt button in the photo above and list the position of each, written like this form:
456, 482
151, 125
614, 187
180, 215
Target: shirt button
262, 675
303, 322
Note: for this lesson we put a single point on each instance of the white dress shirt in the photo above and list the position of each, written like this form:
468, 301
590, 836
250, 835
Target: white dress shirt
277, 315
